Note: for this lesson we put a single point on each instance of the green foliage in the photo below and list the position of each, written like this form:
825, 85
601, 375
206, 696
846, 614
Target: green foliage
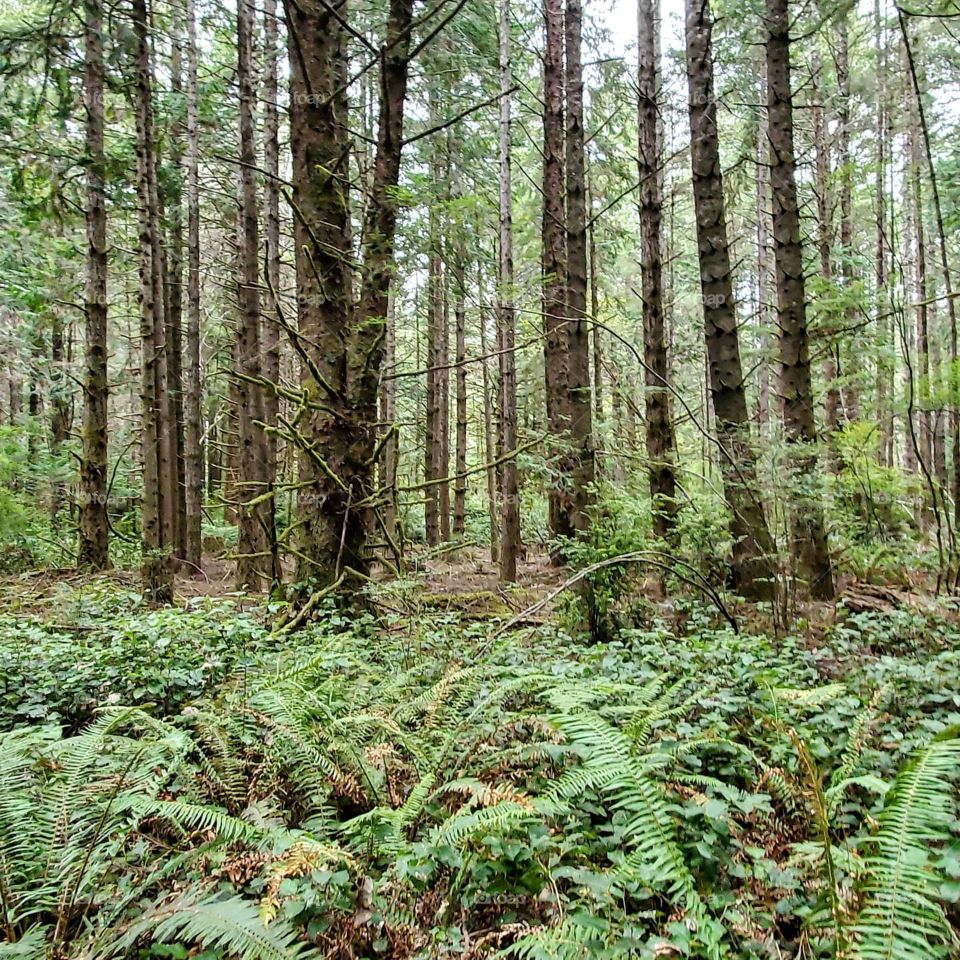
76, 868
902, 916
62, 671
681, 790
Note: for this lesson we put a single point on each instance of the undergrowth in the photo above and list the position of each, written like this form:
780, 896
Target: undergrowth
396, 789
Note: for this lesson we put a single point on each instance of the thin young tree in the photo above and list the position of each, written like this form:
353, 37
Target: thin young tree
506, 320
270, 328
192, 415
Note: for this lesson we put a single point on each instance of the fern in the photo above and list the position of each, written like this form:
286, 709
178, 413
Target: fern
232, 924
901, 917
623, 778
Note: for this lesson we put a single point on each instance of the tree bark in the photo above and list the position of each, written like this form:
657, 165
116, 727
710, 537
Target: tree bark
832, 401
661, 444
810, 548
489, 445
343, 342
433, 448
752, 565
460, 347
850, 392
582, 471
270, 328
193, 429
553, 268
157, 570
174, 287
253, 545
506, 322
94, 547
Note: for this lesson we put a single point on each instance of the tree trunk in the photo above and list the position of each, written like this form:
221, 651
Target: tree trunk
433, 447
944, 267
193, 430
319, 144
553, 267
506, 322
752, 560
919, 257
489, 445
174, 334
59, 407
849, 391
94, 551
388, 417
596, 345
253, 545
831, 404
885, 379
578, 332
661, 445
374, 309
764, 280
809, 534
157, 568
270, 328
343, 342
460, 340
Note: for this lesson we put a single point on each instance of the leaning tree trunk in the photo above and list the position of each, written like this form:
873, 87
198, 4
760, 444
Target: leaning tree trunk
554, 270
506, 322
661, 445
752, 563
193, 430
810, 549
94, 551
578, 343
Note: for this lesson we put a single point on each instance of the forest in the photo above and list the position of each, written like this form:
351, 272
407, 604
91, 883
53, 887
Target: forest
479, 479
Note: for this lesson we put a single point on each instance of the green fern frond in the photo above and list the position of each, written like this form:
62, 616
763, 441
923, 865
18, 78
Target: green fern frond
902, 917
194, 816
571, 939
232, 925
31, 946
501, 819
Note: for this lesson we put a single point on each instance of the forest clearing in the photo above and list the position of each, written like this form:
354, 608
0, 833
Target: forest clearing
479, 480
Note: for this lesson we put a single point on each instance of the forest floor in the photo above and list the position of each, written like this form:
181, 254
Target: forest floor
446, 776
